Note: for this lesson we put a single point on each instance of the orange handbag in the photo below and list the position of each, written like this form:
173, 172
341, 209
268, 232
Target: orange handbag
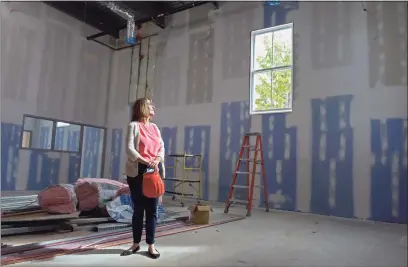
153, 185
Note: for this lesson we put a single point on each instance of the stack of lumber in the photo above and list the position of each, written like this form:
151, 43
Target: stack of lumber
57, 208
22, 222
65, 207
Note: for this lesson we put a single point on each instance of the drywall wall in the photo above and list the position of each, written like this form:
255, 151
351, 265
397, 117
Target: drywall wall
118, 113
49, 69
343, 149
132, 77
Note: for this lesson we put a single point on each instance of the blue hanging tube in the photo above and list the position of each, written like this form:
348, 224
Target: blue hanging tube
273, 3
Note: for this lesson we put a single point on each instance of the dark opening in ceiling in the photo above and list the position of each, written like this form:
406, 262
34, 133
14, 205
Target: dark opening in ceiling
109, 23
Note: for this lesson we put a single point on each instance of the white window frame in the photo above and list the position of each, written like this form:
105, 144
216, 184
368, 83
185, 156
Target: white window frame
252, 110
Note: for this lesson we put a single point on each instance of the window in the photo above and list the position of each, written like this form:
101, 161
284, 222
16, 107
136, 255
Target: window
271, 70
77, 139
67, 137
39, 131
50, 134
26, 141
92, 151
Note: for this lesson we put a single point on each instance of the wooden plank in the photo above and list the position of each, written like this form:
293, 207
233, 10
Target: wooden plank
13, 214
40, 216
91, 220
31, 229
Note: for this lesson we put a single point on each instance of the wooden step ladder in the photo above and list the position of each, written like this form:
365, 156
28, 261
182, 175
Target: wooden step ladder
250, 182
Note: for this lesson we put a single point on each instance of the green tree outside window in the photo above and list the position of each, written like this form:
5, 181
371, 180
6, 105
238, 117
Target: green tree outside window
273, 88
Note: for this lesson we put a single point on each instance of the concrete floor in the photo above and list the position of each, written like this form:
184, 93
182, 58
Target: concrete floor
265, 239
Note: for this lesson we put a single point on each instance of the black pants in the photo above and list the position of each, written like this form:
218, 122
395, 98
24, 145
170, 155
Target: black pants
142, 204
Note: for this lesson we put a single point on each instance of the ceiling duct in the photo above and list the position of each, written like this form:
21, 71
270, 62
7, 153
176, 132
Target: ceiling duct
126, 14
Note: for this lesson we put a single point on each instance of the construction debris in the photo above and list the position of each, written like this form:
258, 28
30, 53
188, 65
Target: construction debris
65, 207
37, 216
11, 255
19, 203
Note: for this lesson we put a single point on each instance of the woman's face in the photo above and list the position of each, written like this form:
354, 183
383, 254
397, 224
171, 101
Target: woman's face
151, 107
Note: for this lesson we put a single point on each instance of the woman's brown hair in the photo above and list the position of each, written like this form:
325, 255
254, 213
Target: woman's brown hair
140, 109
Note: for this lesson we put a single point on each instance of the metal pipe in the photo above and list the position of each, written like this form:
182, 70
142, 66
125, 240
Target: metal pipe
44, 253
94, 36
56, 243
126, 14
61, 248
165, 14
29, 229
138, 43
108, 46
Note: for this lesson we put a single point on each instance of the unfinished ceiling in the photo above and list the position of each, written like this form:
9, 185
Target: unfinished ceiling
149, 15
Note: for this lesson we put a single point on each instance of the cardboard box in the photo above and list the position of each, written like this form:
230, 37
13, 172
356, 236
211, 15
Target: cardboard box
200, 214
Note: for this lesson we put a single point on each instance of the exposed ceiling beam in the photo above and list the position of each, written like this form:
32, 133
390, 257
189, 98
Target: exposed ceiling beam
73, 9
147, 9
144, 10
158, 17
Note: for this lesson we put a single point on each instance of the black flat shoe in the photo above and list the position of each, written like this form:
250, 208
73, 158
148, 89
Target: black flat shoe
154, 256
130, 252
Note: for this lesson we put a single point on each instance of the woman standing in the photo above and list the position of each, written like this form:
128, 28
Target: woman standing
144, 149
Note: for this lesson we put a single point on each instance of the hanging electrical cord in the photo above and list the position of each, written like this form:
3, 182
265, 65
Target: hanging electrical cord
369, 14
85, 9
201, 41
